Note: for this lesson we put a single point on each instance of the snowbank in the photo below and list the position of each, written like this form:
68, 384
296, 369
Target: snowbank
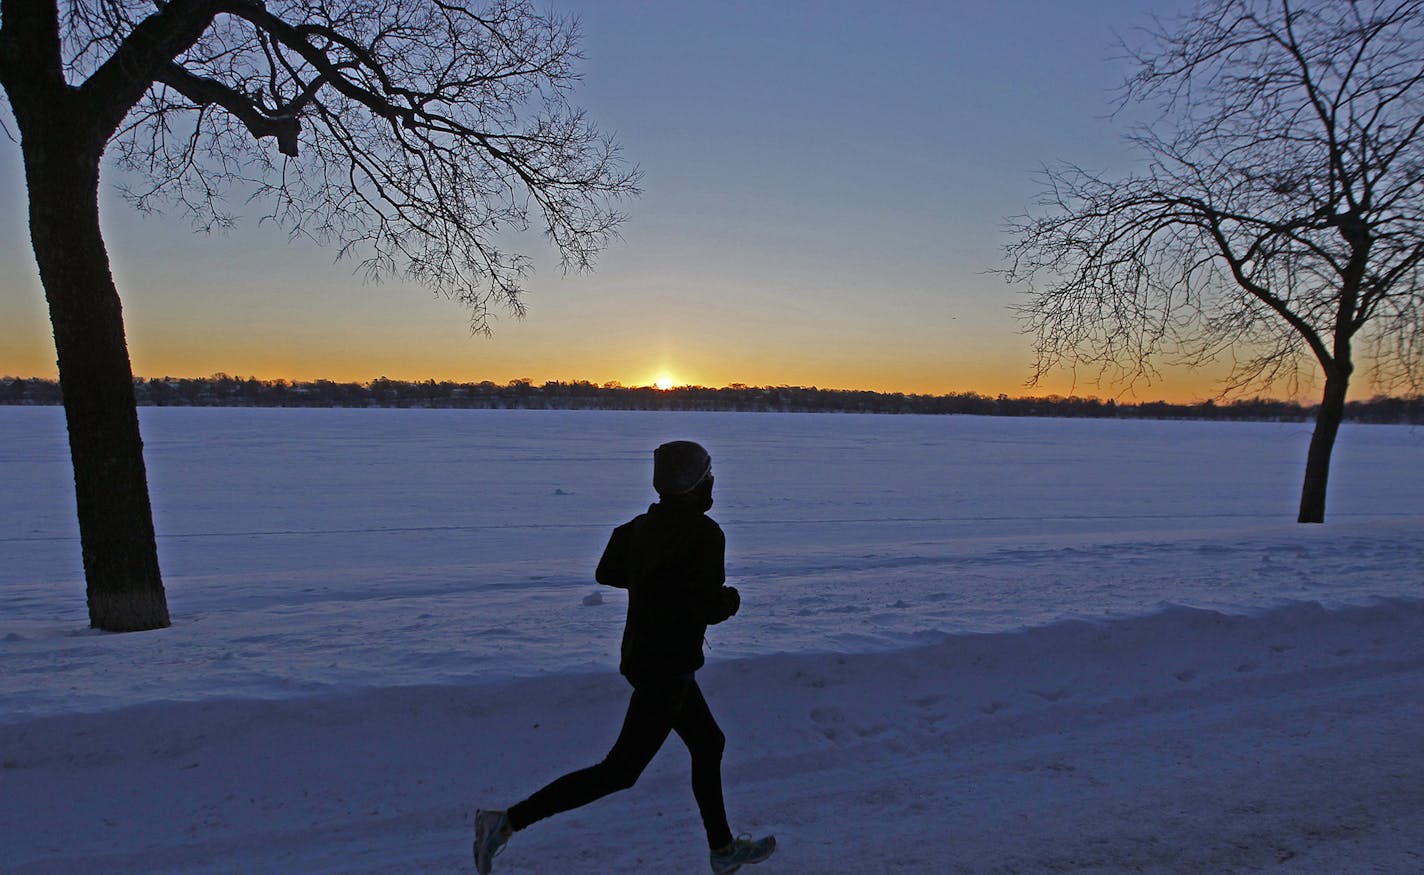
1185, 741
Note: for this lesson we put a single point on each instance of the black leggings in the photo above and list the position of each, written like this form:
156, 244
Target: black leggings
673, 705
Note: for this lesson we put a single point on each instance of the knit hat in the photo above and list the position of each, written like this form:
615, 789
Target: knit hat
679, 466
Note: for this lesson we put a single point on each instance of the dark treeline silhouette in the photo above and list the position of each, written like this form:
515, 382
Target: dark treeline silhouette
221, 390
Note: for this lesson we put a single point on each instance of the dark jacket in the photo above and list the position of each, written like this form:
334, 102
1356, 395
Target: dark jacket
671, 561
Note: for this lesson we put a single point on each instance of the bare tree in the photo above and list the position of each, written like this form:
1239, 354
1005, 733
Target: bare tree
1280, 217
410, 133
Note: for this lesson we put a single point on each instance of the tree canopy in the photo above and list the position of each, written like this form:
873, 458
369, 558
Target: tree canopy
412, 134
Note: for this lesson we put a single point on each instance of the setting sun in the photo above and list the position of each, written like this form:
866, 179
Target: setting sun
664, 381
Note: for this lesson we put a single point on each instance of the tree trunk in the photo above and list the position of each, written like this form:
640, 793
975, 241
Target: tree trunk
125, 590
1322, 442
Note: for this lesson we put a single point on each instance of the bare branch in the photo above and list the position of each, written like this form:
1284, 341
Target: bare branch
204, 91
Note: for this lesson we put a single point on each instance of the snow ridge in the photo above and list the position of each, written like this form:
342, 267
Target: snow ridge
947, 747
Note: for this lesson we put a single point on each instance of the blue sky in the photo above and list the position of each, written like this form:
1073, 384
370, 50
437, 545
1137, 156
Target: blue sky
825, 188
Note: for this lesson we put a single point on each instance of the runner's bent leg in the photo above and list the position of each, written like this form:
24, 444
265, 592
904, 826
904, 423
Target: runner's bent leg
645, 728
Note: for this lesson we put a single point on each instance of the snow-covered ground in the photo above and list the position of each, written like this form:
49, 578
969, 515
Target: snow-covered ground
966, 645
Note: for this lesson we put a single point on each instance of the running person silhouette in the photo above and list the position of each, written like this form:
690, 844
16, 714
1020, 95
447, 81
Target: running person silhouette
671, 561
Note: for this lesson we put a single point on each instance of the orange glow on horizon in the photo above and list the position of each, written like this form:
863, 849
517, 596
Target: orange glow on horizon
1183, 387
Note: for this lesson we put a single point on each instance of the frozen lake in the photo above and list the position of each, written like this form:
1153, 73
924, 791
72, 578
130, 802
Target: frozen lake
477, 531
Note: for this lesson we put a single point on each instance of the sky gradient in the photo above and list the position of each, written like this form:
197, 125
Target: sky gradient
825, 190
